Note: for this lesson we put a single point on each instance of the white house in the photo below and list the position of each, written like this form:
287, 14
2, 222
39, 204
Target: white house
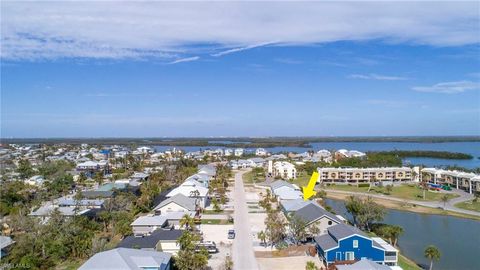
228, 152
177, 203
145, 225
239, 152
145, 150
284, 170
261, 152
344, 153
193, 189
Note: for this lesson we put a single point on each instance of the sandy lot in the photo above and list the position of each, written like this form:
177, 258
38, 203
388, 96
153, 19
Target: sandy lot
287, 263
218, 234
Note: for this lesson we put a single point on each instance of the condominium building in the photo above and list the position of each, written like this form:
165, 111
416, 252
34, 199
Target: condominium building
359, 175
284, 169
469, 182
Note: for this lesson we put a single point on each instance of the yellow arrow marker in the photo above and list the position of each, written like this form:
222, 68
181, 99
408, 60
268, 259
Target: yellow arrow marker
308, 190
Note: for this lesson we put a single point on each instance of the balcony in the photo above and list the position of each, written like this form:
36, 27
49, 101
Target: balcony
391, 258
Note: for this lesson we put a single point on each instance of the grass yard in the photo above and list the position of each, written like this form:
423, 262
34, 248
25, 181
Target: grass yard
302, 179
469, 205
207, 212
408, 192
407, 264
69, 265
252, 177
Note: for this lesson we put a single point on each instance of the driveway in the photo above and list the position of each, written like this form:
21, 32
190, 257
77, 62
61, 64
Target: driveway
243, 255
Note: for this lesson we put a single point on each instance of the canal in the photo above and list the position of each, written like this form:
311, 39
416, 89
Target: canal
458, 239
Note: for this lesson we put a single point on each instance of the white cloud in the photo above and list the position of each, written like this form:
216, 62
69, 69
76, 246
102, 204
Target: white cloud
169, 30
378, 77
186, 59
234, 50
449, 87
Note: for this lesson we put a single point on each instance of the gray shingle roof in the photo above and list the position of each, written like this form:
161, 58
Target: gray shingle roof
312, 212
5, 241
152, 240
127, 259
280, 183
325, 241
342, 230
180, 199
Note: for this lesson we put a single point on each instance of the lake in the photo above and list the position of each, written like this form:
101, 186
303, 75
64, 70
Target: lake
457, 239
472, 148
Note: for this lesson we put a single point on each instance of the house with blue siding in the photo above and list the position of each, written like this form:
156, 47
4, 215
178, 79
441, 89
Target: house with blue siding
346, 243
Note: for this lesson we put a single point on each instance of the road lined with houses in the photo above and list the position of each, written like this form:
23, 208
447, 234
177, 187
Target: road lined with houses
243, 254
432, 204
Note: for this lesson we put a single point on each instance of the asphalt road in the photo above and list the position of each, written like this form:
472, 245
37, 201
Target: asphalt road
243, 255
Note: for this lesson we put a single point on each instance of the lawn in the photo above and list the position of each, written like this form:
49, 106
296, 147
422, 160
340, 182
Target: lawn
469, 205
69, 265
406, 191
302, 179
207, 212
252, 177
407, 264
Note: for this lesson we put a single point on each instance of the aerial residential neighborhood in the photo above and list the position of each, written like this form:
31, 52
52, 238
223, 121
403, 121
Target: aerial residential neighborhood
240, 135
163, 209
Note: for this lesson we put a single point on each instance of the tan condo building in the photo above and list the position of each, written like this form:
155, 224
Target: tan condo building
365, 175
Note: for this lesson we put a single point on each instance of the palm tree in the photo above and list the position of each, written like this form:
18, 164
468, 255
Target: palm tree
195, 194
445, 198
262, 237
187, 221
432, 253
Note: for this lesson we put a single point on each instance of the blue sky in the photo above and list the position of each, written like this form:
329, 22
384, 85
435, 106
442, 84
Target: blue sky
187, 81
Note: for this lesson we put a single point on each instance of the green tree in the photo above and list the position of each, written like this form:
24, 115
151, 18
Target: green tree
311, 266
433, 254
188, 222
216, 207
25, 169
262, 237
275, 227
354, 207
297, 227
187, 258
370, 212
364, 212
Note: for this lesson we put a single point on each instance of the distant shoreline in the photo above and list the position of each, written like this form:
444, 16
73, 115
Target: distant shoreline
244, 142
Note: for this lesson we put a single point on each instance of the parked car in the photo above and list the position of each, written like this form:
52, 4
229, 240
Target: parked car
210, 246
231, 234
